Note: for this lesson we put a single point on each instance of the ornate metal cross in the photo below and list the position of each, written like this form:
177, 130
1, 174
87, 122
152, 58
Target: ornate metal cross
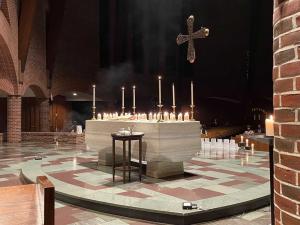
202, 33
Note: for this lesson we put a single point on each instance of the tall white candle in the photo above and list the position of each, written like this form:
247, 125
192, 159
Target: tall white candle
247, 142
123, 98
192, 93
242, 139
173, 93
133, 95
270, 126
94, 95
159, 90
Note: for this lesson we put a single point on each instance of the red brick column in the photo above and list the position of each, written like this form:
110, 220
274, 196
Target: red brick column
13, 118
286, 76
44, 116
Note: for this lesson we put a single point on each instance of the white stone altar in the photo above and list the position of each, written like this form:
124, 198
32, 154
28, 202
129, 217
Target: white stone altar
165, 144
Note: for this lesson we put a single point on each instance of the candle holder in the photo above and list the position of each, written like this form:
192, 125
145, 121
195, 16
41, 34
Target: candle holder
94, 112
192, 112
174, 109
160, 116
133, 110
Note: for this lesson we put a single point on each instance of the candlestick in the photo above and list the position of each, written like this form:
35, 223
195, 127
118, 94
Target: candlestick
173, 94
192, 101
159, 90
133, 95
123, 100
192, 93
94, 102
159, 115
270, 126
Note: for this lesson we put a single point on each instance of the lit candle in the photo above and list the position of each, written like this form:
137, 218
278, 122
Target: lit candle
180, 117
166, 116
247, 142
192, 93
242, 139
252, 148
159, 90
150, 116
270, 126
154, 116
172, 117
123, 97
133, 96
99, 116
186, 116
173, 93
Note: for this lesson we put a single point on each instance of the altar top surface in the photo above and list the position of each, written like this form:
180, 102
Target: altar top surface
145, 121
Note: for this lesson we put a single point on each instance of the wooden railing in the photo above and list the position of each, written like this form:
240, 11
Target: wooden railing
28, 204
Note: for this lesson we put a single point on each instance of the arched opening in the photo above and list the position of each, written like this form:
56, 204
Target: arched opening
3, 111
70, 109
31, 109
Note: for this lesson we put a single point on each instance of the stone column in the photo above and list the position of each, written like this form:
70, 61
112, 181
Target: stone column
14, 118
44, 115
286, 77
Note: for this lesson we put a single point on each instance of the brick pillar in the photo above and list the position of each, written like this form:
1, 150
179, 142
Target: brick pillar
44, 116
13, 118
286, 77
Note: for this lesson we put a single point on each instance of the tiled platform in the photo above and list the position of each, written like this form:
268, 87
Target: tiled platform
214, 183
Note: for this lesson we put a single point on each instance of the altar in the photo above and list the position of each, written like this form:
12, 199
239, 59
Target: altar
166, 145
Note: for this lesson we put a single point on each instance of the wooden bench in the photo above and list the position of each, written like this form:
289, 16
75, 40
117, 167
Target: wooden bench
31, 204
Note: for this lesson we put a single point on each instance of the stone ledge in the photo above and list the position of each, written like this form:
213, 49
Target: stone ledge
52, 137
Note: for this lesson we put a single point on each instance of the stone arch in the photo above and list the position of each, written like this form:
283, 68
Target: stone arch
7, 66
36, 89
4, 8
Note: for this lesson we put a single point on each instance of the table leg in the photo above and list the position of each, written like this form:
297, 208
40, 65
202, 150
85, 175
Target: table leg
113, 158
129, 159
140, 158
124, 160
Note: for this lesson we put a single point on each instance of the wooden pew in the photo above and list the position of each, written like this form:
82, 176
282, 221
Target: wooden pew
31, 204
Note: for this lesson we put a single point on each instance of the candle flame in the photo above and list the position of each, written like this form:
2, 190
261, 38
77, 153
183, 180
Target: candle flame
271, 117
159, 77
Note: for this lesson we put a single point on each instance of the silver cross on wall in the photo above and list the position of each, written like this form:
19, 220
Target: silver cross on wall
181, 38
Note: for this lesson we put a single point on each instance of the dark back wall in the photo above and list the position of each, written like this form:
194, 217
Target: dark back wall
137, 42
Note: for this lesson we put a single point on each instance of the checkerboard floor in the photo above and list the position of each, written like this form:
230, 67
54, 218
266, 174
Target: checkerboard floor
211, 179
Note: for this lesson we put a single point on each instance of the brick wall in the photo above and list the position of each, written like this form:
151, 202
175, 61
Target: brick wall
286, 77
14, 118
77, 55
52, 137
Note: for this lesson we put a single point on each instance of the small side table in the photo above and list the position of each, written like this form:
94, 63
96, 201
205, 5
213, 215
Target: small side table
126, 164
